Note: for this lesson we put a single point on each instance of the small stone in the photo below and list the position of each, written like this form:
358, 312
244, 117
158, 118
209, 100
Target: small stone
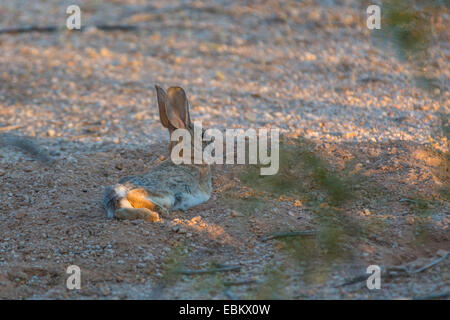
20, 214
441, 252
178, 229
235, 213
51, 132
149, 257
220, 76
250, 116
105, 290
104, 52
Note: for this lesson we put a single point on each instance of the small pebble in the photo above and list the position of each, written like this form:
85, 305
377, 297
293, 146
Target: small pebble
441, 253
235, 213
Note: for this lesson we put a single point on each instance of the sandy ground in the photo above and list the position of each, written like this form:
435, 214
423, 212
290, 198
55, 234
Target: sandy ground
311, 69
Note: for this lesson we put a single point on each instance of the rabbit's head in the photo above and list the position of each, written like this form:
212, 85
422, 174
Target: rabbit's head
174, 113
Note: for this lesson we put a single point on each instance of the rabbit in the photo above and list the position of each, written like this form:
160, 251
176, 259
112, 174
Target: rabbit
167, 186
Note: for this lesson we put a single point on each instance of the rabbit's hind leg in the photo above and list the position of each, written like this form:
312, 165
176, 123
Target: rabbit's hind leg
138, 198
136, 205
158, 201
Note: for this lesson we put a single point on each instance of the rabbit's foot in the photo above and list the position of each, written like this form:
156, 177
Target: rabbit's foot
137, 213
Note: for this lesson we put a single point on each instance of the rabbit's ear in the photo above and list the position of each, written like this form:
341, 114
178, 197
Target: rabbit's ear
177, 107
161, 94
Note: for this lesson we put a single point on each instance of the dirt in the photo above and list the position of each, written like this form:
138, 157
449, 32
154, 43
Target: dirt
368, 171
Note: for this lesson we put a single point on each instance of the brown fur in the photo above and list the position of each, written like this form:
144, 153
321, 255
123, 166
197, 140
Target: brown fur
138, 199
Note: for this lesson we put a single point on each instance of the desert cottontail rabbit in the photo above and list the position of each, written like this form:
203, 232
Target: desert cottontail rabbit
166, 186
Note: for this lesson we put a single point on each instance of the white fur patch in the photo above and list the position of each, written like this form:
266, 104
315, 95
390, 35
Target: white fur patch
165, 202
121, 191
193, 200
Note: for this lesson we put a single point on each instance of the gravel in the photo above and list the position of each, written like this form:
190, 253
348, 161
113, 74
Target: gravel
87, 100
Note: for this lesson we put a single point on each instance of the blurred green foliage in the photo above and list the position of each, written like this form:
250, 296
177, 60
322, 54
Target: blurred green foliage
304, 175
413, 27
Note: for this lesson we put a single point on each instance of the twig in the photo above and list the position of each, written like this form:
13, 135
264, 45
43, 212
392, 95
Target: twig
239, 283
389, 273
9, 128
431, 264
116, 27
407, 200
208, 271
432, 296
358, 278
28, 29
288, 234
123, 27
50, 29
